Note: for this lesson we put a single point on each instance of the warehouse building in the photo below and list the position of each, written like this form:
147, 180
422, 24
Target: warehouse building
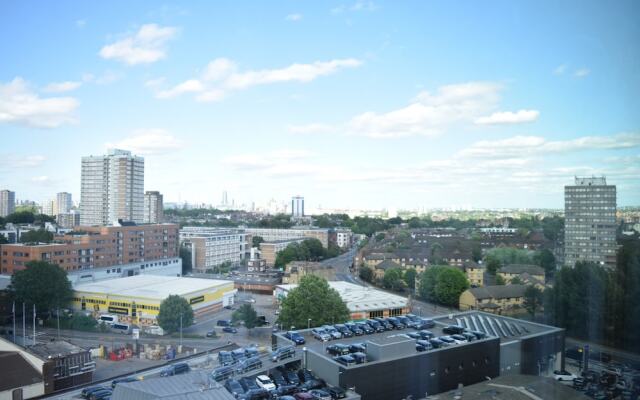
394, 369
362, 301
136, 299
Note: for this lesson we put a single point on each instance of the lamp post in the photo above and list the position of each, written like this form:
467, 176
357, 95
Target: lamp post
308, 323
180, 331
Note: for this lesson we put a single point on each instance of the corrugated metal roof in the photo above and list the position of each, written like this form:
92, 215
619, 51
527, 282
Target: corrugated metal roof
190, 386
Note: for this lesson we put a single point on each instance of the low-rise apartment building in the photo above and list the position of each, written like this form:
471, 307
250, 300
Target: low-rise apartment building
102, 251
522, 272
277, 234
498, 299
295, 270
475, 273
211, 247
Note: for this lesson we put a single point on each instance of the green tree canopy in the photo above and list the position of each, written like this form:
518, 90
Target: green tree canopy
21, 217
315, 299
546, 260
366, 273
171, 309
38, 236
43, 284
247, 314
532, 299
410, 277
450, 285
393, 279
428, 282
500, 280
256, 240
308, 250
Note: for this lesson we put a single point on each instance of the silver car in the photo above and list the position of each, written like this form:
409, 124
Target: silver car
332, 331
320, 334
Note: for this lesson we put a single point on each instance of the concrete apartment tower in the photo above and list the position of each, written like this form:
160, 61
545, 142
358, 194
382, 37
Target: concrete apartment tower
590, 221
112, 188
297, 206
63, 203
7, 202
153, 208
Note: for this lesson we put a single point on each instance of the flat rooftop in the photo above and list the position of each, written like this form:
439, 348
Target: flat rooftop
150, 286
54, 349
506, 328
361, 298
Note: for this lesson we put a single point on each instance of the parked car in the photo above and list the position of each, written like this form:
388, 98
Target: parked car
425, 344
447, 339
561, 375
249, 365
403, 320
385, 323
366, 328
295, 337
100, 394
377, 326
311, 384
414, 335
424, 334
305, 375
221, 373
115, 382
291, 376
224, 322
265, 382
234, 387
437, 343
395, 323
336, 392
357, 348
229, 329
335, 334
354, 328
303, 396
469, 336
345, 360
283, 353
277, 378
338, 349
249, 383
479, 335
225, 358
424, 323
175, 369
459, 338
320, 334
251, 351
285, 390
360, 358
86, 392
319, 394
453, 329
257, 394
346, 332
238, 354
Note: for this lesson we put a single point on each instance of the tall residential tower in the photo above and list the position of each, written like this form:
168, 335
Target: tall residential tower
297, 206
112, 188
7, 202
590, 221
153, 208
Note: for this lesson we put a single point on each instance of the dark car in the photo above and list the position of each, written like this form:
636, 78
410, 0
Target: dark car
469, 336
249, 365
357, 347
225, 358
346, 332
224, 322
366, 328
311, 384
305, 375
251, 352
319, 394
448, 340
175, 369
453, 329
424, 334
257, 394
338, 349
345, 360
404, 320
354, 328
459, 338
229, 329
238, 354
211, 333
100, 394
303, 396
249, 383
336, 392
285, 390
424, 323
360, 358
376, 325
86, 392
115, 382
385, 323
234, 387
396, 323
291, 377
221, 373
414, 335
295, 337
479, 335
277, 378
437, 343
425, 344
283, 353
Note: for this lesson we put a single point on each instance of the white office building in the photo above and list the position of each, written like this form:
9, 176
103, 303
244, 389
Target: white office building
297, 206
7, 202
112, 188
153, 208
211, 247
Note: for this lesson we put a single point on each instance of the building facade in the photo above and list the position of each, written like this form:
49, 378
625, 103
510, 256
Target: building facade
112, 188
153, 208
277, 234
297, 206
344, 238
107, 248
70, 219
296, 270
63, 203
7, 202
590, 221
211, 247
498, 299
269, 250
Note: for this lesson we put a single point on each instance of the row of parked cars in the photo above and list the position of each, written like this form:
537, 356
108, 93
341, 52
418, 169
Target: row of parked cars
242, 360
370, 326
351, 354
283, 384
426, 340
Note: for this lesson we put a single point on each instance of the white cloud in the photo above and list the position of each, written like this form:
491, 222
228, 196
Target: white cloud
359, 5
59, 87
148, 45
19, 161
509, 117
293, 17
581, 73
430, 114
522, 146
222, 75
80, 23
310, 128
269, 162
40, 179
148, 142
19, 104
560, 69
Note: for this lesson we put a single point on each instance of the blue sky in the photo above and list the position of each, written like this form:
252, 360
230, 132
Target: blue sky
352, 104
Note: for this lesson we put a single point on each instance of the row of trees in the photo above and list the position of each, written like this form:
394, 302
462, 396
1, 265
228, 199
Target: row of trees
443, 284
599, 303
310, 249
26, 217
499, 257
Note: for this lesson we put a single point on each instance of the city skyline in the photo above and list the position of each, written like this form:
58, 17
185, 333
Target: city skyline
335, 101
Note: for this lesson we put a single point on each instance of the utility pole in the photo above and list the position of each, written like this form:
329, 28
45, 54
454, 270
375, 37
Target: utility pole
58, 317
24, 327
180, 331
34, 324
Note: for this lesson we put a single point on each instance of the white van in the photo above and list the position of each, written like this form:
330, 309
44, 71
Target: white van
108, 319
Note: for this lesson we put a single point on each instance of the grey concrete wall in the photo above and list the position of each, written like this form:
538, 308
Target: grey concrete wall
510, 358
322, 367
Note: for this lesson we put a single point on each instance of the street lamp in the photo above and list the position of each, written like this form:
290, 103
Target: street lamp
308, 323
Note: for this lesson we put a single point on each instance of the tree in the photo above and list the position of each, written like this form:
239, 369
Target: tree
516, 281
21, 217
185, 255
546, 260
500, 280
532, 299
256, 240
410, 277
380, 236
450, 285
313, 299
43, 284
392, 279
428, 282
38, 236
492, 263
3, 239
171, 309
476, 251
365, 273
247, 314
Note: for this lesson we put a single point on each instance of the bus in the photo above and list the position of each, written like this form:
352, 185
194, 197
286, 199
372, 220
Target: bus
122, 328
108, 319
